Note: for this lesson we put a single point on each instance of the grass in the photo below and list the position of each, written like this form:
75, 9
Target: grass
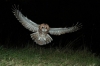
39, 56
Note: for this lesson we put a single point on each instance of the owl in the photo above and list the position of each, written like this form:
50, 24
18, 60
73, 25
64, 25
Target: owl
41, 32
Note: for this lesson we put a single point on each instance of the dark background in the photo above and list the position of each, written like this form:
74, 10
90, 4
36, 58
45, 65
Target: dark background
56, 14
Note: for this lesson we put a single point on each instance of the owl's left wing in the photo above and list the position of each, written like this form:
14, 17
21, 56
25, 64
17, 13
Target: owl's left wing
27, 23
59, 31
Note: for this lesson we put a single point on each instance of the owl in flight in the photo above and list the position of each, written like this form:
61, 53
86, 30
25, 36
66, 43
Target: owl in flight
40, 31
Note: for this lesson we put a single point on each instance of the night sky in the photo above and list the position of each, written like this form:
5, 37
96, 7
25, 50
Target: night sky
56, 14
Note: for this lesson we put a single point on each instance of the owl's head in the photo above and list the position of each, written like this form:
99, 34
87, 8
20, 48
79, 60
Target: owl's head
44, 27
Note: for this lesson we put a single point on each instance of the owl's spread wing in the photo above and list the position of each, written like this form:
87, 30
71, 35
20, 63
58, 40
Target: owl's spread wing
27, 23
59, 31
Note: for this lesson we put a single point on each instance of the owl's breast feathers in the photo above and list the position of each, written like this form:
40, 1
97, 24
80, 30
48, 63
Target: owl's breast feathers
41, 39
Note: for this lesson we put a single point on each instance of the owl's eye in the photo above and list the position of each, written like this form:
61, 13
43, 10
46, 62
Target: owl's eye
42, 26
45, 27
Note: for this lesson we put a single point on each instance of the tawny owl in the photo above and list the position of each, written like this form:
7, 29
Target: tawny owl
40, 32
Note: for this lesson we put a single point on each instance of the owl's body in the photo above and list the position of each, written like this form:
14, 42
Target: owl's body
41, 37
40, 32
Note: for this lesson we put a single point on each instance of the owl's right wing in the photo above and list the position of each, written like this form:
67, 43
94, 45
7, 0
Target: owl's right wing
27, 23
59, 31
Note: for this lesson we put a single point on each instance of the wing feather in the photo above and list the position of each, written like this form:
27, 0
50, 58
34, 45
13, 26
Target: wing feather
27, 23
59, 31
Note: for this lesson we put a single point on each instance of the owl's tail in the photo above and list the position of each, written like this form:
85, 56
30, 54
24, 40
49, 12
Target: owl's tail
41, 39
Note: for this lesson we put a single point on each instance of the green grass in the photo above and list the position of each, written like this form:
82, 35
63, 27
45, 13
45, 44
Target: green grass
40, 56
